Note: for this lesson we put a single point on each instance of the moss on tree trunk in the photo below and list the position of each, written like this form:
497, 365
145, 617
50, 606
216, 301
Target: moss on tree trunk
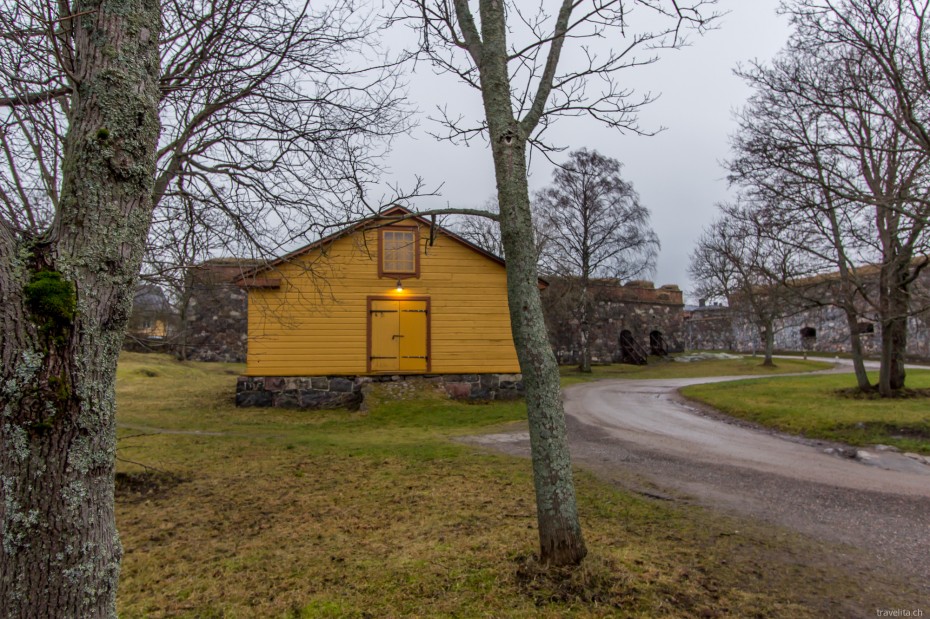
61, 332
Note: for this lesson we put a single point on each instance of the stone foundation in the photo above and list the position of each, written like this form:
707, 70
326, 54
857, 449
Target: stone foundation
325, 392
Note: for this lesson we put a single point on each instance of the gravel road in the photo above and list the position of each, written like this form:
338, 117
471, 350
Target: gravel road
642, 428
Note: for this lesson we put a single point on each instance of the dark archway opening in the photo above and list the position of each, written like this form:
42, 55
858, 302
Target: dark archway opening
657, 345
630, 350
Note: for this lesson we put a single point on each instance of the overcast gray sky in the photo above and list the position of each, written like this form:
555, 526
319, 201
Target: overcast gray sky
677, 173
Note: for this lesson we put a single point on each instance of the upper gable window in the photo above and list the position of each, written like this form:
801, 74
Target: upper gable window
399, 251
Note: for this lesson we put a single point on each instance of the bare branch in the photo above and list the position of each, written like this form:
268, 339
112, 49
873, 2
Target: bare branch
34, 97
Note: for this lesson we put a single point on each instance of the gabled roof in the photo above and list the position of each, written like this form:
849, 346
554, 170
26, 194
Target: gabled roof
393, 214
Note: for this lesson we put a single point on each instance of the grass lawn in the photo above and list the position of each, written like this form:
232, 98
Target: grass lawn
812, 406
272, 513
745, 366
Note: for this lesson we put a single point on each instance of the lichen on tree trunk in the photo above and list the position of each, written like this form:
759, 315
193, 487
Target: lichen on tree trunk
560, 538
561, 542
60, 552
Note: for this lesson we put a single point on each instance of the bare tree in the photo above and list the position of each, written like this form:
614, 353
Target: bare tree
262, 124
267, 133
892, 37
513, 57
267, 124
887, 69
814, 136
597, 228
798, 178
739, 259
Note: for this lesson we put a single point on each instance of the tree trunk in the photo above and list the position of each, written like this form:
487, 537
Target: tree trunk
560, 537
182, 341
584, 328
894, 303
768, 336
556, 511
66, 299
849, 291
855, 342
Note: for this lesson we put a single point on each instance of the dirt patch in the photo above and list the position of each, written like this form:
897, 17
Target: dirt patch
854, 393
598, 580
144, 485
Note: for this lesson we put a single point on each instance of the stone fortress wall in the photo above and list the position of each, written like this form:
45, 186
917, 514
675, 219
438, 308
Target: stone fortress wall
216, 317
812, 325
649, 315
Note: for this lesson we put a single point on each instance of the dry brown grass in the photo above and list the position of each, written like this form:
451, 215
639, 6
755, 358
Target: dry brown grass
381, 515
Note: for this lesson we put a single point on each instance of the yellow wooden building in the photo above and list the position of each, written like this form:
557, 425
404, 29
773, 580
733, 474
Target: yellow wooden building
385, 297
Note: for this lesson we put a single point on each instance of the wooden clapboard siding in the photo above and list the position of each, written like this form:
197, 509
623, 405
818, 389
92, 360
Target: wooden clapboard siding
316, 322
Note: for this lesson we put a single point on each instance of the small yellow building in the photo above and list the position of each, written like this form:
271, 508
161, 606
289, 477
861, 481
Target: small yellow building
390, 297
